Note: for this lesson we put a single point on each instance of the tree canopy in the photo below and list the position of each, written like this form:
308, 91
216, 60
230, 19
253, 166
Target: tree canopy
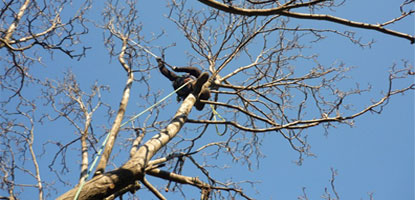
283, 76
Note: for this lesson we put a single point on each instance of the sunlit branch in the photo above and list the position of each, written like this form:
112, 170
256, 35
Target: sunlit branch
284, 11
121, 111
16, 21
257, 12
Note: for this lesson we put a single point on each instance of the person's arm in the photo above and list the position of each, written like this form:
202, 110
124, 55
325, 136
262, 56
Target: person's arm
167, 73
191, 70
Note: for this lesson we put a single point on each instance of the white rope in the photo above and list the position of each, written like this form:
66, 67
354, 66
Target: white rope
146, 50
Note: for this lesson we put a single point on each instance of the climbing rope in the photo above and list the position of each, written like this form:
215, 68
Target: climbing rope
149, 52
146, 50
154, 105
215, 113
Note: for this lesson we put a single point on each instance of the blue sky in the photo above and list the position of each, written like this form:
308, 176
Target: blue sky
376, 155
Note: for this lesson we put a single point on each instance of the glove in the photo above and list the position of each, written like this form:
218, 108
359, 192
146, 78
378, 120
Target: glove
159, 60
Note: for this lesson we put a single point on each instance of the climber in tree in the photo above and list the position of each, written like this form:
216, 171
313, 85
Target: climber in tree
193, 75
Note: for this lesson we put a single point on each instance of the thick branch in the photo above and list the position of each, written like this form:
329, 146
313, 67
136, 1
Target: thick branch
284, 11
178, 178
120, 115
338, 20
256, 12
84, 147
16, 21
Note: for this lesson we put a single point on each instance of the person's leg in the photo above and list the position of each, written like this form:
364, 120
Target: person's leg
198, 89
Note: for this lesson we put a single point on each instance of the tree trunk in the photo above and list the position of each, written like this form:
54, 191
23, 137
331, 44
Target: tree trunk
108, 183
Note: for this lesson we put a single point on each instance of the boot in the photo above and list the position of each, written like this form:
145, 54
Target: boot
199, 83
204, 95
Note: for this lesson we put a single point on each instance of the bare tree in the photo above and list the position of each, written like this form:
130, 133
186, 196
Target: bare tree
28, 27
259, 87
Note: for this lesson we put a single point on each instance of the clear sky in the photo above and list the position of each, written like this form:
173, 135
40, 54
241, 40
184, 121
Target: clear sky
376, 155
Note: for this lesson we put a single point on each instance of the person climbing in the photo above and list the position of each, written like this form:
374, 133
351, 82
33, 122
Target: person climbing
193, 75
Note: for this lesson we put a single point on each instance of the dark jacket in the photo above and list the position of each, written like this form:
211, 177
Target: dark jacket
192, 73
